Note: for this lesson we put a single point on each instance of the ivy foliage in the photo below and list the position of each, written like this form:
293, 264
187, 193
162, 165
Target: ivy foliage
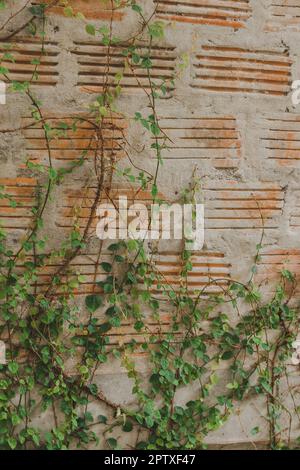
205, 334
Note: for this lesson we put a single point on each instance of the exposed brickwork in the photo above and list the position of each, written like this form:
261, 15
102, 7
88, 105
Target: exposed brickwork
283, 14
231, 205
127, 333
235, 69
229, 113
295, 213
83, 265
79, 140
78, 202
210, 273
92, 9
232, 13
273, 262
281, 139
22, 191
91, 58
28, 64
215, 139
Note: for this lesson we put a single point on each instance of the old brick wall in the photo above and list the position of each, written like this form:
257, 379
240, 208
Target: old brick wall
230, 114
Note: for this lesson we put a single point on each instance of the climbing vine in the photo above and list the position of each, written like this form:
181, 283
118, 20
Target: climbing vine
224, 356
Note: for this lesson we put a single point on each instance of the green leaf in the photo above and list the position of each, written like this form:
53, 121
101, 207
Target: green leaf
83, 370
232, 386
90, 29
266, 386
12, 442
227, 355
127, 426
3, 70
15, 419
288, 275
156, 30
102, 419
254, 431
114, 246
136, 8
68, 11
38, 10
106, 267
105, 327
155, 129
154, 190
13, 368
112, 443
93, 389
93, 302
132, 245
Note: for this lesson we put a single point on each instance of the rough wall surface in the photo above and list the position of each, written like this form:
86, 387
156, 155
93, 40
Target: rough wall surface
229, 113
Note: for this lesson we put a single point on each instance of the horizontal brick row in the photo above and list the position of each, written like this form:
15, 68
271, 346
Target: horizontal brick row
273, 262
73, 137
235, 69
153, 327
85, 265
210, 273
280, 138
294, 221
283, 14
215, 139
77, 204
23, 192
92, 9
94, 69
232, 13
228, 205
26, 62
223, 69
232, 205
209, 269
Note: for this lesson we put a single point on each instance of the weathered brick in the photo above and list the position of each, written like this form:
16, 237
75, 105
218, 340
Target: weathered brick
232, 13
85, 265
22, 191
25, 50
273, 262
77, 204
80, 140
294, 220
236, 69
213, 139
283, 14
94, 71
127, 333
280, 137
232, 205
210, 272
92, 9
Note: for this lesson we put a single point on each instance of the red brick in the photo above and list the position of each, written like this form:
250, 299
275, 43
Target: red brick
283, 14
232, 205
281, 139
69, 145
273, 262
92, 9
232, 13
234, 69
25, 50
22, 191
94, 70
214, 139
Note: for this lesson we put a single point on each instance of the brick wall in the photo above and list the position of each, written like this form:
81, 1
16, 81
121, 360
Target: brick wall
229, 114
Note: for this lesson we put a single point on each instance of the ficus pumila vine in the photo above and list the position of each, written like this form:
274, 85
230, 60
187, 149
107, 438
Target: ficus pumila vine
43, 328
